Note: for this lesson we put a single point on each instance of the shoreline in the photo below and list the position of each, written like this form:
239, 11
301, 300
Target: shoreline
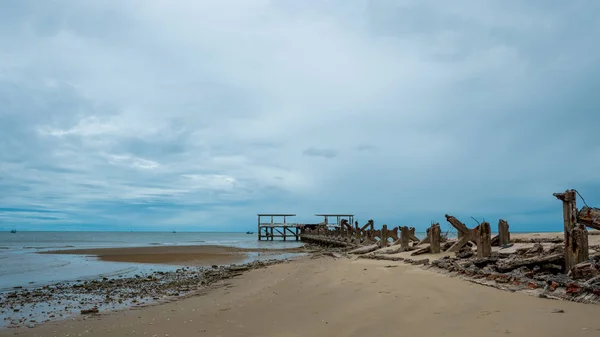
324, 296
178, 272
31, 307
145, 291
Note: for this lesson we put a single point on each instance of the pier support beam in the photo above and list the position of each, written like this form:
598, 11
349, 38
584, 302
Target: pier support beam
576, 236
434, 238
484, 240
404, 237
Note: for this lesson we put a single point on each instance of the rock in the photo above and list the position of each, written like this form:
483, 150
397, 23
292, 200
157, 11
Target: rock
93, 310
558, 311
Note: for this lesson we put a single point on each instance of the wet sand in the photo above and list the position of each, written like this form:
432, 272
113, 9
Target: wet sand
341, 297
176, 255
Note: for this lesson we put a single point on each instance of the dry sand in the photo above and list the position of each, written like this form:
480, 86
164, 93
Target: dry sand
328, 297
177, 255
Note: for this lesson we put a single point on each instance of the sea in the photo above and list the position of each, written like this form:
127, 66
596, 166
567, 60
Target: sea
21, 266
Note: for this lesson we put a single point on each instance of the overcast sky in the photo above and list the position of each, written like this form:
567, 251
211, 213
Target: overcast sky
196, 115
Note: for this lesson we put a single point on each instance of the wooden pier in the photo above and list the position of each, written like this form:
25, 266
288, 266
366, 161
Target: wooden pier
339, 219
273, 229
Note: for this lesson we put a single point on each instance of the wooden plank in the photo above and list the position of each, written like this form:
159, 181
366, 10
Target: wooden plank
464, 233
461, 227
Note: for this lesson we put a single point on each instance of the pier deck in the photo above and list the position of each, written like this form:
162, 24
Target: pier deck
277, 229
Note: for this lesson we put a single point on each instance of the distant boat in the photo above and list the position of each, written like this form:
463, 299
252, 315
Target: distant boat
13, 231
249, 232
174, 232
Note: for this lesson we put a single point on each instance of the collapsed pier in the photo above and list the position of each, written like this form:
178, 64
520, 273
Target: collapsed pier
561, 268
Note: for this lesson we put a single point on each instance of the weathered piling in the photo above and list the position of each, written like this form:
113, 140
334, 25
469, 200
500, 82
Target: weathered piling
503, 233
576, 238
434, 238
404, 237
484, 240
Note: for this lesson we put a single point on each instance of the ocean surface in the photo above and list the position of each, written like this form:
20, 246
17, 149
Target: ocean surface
21, 266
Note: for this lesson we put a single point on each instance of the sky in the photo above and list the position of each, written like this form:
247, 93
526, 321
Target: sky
197, 115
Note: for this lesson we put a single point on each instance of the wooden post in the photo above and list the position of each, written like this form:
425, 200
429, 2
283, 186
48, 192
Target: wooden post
272, 232
484, 240
579, 245
258, 229
404, 236
503, 233
356, 234
384, 236
576, 241
434, 238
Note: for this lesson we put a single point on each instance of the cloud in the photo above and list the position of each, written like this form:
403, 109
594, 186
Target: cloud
197, 115
325, 153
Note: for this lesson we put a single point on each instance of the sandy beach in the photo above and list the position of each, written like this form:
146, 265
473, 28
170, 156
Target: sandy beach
341, 297
176, 255
322, 294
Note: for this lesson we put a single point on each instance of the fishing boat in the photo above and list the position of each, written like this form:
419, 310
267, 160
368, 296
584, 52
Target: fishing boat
13, 231
249, 232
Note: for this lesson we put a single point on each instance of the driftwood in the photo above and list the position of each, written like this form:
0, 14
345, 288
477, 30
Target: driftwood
395, 250
423, 250
365, 249
508, 265
589, 216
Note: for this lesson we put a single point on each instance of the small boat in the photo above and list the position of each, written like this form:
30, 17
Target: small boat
174, 232
249, 232
13, 231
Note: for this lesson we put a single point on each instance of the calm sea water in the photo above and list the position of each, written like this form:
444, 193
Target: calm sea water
21, 266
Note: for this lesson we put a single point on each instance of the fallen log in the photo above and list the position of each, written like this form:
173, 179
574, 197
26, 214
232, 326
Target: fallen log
333, 254
508, 265
423, 250
394, 250
382, 257
364, 250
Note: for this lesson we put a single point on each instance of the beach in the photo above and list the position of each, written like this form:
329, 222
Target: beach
213, 290
341, 297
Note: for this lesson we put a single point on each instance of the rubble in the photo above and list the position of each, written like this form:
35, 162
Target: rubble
29, 307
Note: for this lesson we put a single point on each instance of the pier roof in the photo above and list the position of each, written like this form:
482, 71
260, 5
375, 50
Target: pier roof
334, 214
275, 214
